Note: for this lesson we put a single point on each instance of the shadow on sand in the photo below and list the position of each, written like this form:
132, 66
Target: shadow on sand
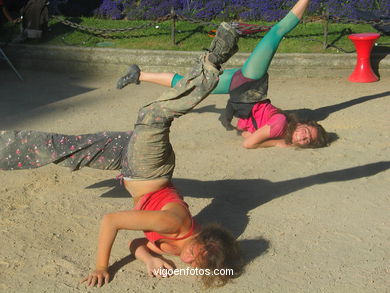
234, 199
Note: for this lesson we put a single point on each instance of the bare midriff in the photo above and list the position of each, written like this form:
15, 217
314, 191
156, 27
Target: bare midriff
139, 188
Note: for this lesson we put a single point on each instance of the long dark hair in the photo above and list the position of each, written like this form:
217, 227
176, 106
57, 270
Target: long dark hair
293, 120
220, 251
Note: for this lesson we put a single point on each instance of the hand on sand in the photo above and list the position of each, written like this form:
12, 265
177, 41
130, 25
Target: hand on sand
97, 277
157, 267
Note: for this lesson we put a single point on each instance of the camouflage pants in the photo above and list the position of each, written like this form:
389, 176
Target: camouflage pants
149, 153
145, 153
28, 149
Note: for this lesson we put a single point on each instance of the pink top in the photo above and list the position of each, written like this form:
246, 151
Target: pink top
155, 201
265, 114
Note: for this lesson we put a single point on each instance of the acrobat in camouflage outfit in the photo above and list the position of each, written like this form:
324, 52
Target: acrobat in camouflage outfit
145, 153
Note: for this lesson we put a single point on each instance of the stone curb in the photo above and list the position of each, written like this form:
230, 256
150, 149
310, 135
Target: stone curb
115, 61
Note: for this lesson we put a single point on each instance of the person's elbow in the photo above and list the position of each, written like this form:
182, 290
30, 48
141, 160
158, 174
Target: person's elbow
249, 145
108, 221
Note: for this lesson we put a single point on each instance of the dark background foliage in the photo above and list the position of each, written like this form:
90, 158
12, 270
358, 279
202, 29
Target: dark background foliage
215, 9
74, 7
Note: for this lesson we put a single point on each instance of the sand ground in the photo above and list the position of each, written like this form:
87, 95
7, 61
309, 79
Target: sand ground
307, 220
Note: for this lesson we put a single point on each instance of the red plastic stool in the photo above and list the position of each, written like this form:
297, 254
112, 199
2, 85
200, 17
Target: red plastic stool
363, 44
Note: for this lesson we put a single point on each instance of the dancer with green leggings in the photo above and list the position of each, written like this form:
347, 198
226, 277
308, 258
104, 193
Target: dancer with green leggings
261, 124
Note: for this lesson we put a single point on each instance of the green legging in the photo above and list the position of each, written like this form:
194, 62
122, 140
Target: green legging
258, 62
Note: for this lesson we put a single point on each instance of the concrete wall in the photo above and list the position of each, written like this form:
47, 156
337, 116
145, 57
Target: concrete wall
115, 61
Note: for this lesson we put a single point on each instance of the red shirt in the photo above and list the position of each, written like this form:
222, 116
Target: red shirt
155, 201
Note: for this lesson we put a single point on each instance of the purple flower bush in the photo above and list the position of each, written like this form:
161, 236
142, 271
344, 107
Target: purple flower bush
351, 9
113, 8
269, 10
159, 8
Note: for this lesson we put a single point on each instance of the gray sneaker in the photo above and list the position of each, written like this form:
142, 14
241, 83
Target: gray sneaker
132, 76
224, 44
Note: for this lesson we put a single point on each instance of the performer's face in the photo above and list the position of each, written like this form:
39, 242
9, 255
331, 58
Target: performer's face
190, 253
304, 134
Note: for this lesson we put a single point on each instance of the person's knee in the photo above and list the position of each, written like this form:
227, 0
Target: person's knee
153, 115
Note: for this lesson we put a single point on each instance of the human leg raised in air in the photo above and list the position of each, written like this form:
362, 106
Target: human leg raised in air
150, 154
258, 62
254, 67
